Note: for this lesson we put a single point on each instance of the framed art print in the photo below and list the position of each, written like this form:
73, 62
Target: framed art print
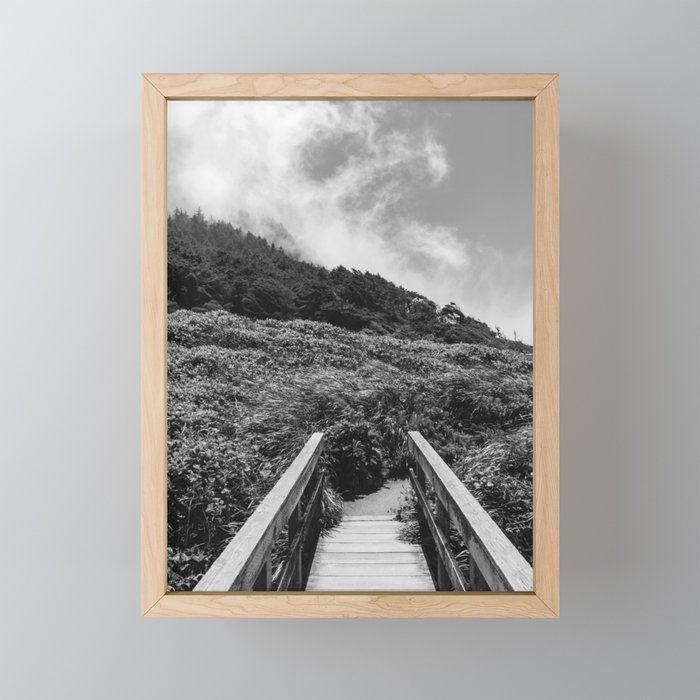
350, 345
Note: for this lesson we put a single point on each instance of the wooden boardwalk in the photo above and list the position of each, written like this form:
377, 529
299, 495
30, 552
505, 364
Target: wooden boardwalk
364, 553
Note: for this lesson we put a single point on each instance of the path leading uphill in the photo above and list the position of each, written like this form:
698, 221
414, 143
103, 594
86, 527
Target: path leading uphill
364, 552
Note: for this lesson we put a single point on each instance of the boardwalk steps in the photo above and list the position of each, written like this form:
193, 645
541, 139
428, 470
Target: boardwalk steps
364, 553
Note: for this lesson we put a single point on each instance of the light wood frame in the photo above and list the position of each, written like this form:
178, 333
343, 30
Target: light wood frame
543, 91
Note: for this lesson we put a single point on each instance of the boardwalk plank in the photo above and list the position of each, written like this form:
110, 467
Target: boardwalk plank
360, 538
371, 583
408, 568
369, 557
367, 547
368, 525
364, 553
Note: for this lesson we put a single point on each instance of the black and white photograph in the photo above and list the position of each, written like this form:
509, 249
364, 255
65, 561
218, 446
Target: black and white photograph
350, 330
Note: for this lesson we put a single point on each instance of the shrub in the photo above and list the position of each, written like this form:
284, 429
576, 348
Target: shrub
245, 395
499, 475
354, 457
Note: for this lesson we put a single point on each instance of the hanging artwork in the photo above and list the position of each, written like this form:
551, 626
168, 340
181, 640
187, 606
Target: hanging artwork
350, 345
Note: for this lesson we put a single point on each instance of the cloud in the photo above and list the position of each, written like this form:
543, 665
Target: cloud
334, 181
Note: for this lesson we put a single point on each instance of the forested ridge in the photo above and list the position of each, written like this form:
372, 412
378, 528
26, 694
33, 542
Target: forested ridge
214, 265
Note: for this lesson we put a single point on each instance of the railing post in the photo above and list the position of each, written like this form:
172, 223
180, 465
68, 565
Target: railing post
422, 525
476, 581
442, 519
296, 557
473, 574
264, 580
314, 532
420, 475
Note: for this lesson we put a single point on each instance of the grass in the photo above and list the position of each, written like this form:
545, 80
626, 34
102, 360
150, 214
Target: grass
244, 396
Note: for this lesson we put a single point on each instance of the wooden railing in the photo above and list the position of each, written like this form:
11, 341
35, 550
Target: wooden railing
294, 503
494, 560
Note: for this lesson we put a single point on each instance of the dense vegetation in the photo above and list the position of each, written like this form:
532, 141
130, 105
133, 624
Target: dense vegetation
245, 394
213, 265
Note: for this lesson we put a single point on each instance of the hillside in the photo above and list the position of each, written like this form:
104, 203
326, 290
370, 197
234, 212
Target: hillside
213, 265
244, 395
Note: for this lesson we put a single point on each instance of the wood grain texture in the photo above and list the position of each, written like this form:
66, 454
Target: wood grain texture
543, 90
357, 86
546, 345
153, 347
350, 605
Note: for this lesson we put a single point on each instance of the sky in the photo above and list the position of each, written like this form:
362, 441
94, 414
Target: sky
436, 196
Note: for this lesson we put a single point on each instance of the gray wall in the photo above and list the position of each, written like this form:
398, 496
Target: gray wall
69, 352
